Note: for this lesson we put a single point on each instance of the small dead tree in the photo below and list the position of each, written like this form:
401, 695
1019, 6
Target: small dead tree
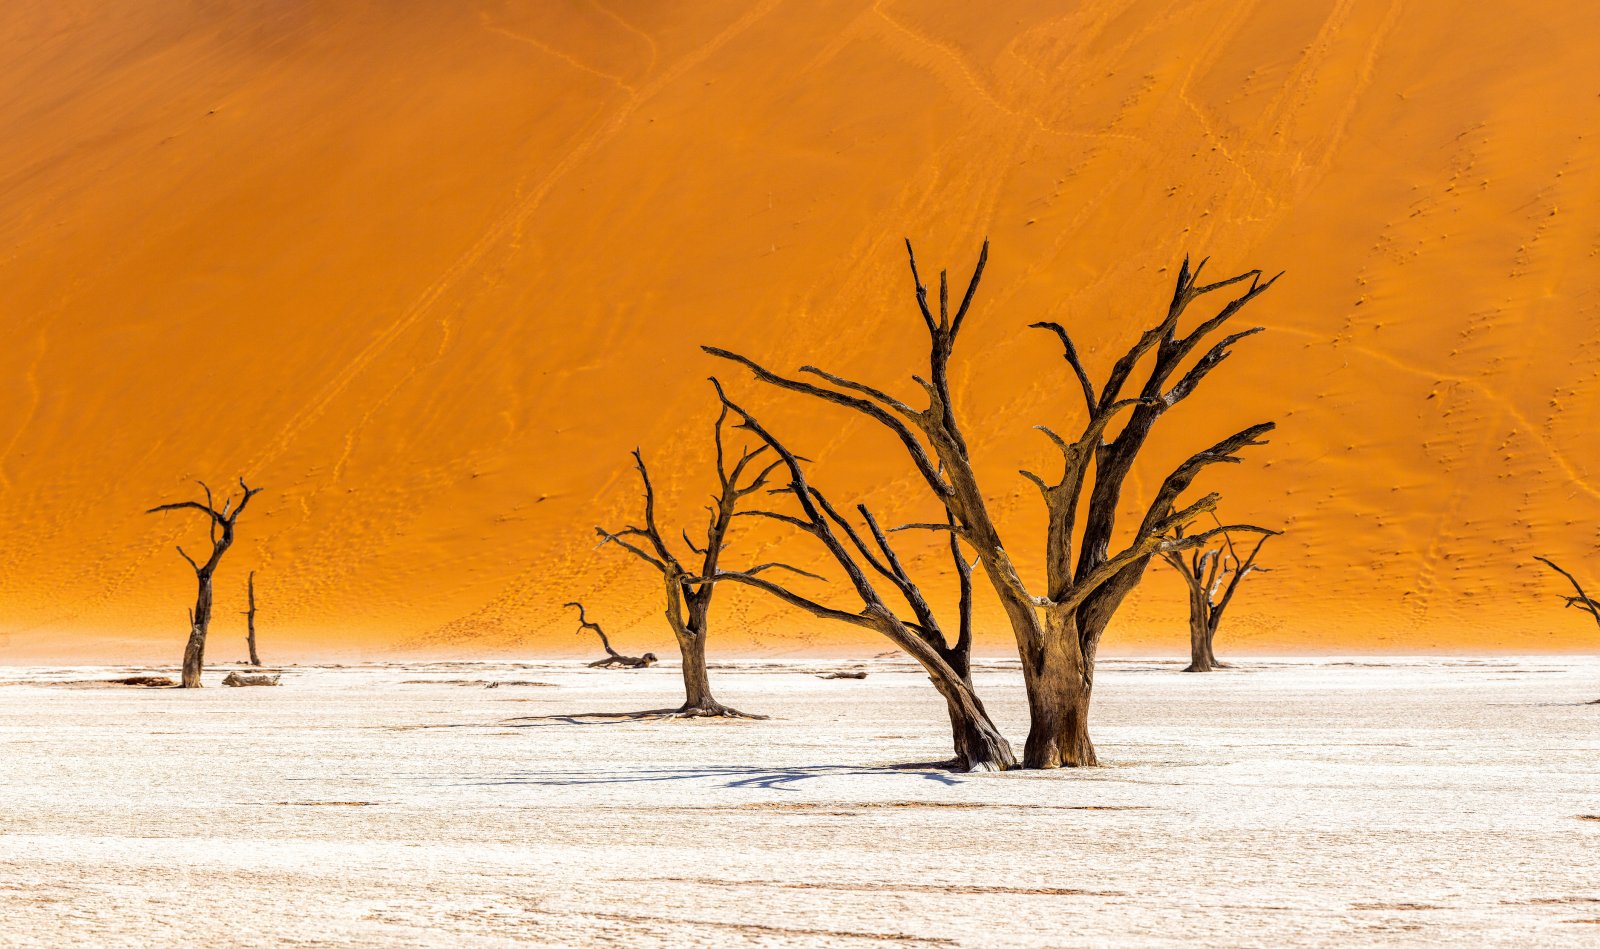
1212, 575
1059, 625
689, 592
250, 618
613, 659
222, 524
1581, 601
979, 745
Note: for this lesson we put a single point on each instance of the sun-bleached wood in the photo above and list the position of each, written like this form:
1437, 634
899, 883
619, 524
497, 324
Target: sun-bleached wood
250, 619
613, 659
222, 524
689, 592
1581, 601
978, 743
1058, 627
1212, 576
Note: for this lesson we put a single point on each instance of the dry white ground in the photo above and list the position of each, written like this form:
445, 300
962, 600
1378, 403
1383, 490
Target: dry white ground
1321, 802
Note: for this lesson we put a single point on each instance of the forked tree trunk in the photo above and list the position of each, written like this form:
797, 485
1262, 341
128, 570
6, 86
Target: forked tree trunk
1059, 688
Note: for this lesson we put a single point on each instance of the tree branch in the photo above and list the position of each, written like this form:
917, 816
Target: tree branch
1582, 599
1071, 355
918, 456
972, 289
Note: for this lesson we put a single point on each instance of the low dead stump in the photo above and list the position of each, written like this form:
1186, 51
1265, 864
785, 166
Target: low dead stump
236, 680
842, 675
149, 682
625, 662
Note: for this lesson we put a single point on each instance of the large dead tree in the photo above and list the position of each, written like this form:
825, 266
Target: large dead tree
1058, 625
221, 523
613, 659
1581, 601
689, 591
250, 618
979, 745
1212, 576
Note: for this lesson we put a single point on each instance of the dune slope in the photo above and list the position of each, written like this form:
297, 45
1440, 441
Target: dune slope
427, 272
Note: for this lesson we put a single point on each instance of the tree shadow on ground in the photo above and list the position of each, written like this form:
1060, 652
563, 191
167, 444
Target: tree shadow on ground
619, 718
779, 779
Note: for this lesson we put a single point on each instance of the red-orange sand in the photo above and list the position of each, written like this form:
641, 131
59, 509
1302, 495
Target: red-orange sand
426, 271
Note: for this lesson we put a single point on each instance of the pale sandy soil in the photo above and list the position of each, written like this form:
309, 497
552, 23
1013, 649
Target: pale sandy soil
1310, 802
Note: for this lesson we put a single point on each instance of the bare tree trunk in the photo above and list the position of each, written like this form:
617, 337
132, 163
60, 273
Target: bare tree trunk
1059, 685
696, 681
979, 745
250, 620
194, 652
1200, 657
1200, 632
698, 702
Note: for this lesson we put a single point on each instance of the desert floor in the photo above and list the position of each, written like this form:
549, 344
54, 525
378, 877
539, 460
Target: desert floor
1366, 801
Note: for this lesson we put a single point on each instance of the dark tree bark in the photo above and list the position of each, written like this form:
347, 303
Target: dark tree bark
689, 592
613, 659
1058, 633
1212, 576
1581, 601
222, 524
250, 619
978, 744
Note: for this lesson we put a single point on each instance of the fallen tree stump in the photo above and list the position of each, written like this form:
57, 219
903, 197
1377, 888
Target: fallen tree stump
235, 679
625, 662
842, 675
613, 659
149, 682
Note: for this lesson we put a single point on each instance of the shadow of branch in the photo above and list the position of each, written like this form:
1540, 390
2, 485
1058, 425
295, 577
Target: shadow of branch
781, 778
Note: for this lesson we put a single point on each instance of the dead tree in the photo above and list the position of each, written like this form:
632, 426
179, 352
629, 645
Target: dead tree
1058, 625
979, 745
689, 591
1212, 575
613, 659
221, 523
250, 619
1581, 601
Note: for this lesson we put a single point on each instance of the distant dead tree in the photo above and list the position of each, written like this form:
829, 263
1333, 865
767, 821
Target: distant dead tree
979, 744
1581, 600
1058, 630
613, 659
250, 618
1212, 575
689, 591
221, 523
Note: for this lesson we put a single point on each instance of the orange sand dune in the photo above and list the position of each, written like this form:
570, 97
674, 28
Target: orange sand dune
428, 270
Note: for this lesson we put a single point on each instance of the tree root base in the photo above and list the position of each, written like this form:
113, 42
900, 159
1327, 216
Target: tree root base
712, 711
